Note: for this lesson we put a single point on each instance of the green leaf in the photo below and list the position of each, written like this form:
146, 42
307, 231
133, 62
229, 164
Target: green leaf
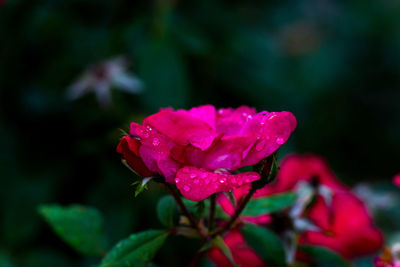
136, 250
273, 203
323, 256
220, 243
166, 209
141, 185
265, 243
79, 226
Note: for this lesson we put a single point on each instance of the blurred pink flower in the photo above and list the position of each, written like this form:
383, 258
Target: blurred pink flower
326, 212
197, 149
396, 179
102, 77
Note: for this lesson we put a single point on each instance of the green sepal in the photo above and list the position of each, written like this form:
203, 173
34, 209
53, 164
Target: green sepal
140, 186
219, 242
268, 169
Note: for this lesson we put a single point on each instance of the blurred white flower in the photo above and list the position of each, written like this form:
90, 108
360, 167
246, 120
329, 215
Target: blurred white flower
305, 193
102, 77
374, 200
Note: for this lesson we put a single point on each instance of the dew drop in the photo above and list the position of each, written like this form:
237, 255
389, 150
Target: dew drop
193, 175
156, 142
260, 145
240, 183
196, 181
186, 188
177, 180
222, 180
204, 175
247, 180
280, 140
223, 112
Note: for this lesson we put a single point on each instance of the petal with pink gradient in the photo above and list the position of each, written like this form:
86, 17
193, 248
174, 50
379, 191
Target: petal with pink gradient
230, 121
155, 151
197, 184
272, 129
182, 128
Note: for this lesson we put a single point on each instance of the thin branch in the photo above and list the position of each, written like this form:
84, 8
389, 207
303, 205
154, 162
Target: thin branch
183, 208
211, 218
237, 213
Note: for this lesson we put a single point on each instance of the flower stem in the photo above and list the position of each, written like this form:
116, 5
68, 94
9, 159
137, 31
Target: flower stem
213, 198
183, 208
237, 213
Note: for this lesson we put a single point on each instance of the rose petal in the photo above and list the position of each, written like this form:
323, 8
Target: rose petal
230, 121
273, 130
129, 148
205, 113
226, 152
348, 228
156, 151
197, 184
182, 128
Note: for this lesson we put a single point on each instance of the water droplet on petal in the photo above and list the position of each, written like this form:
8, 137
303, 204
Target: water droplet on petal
280, 140
186, 188
204, 175
222, 180
247, 180
196, 181
177, 180
193, 175
240, 183
156, 142
260, 145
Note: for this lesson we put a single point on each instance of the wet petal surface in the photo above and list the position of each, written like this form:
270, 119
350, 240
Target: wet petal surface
197, 184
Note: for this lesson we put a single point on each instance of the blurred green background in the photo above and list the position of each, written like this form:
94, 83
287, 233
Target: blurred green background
334, 64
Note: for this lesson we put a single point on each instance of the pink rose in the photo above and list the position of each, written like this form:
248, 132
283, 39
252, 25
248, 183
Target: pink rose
198, 149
